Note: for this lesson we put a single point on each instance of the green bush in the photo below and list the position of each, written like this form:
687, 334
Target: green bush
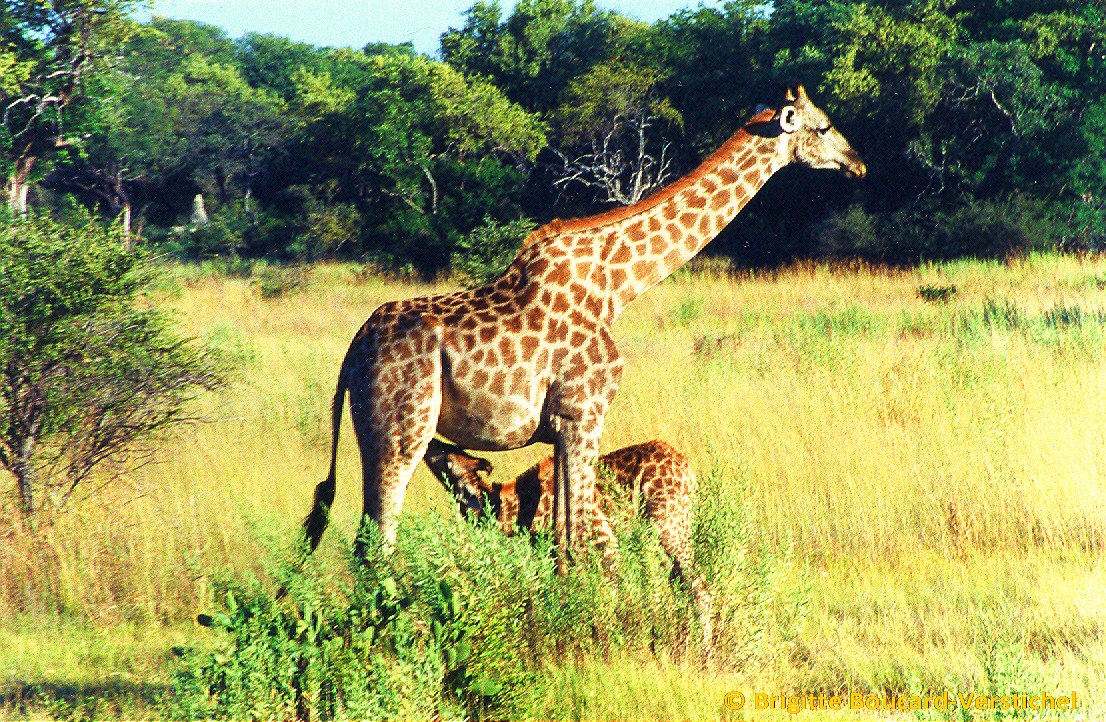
326, 230
459, 620
484, 254
760, 599
223, 235
1000, 228
91, 373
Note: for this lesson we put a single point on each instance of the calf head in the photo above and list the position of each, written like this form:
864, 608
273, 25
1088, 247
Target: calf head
464, 476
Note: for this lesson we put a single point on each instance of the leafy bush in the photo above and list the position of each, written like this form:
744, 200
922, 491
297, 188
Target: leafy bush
90, 373
934, 293
326, 229
276, 281
1000, 228
459, 620
484, 254
760, 599
223, 235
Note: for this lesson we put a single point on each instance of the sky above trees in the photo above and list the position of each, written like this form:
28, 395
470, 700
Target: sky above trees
353, 23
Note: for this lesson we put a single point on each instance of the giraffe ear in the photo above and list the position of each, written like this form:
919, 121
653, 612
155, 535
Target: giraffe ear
789, 119
789, 94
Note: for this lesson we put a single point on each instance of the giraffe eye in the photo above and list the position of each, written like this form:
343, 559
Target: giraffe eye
823, 131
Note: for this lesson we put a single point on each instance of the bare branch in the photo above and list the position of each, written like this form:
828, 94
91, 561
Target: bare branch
618, 173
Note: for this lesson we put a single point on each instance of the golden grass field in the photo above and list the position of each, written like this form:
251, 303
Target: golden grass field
937, 470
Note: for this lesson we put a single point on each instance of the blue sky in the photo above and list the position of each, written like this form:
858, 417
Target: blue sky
353, 23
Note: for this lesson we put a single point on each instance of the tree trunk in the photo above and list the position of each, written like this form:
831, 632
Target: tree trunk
24, 477
17, 185
199, 214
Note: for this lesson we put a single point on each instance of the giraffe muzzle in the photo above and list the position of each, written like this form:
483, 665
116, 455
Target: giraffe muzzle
854, 167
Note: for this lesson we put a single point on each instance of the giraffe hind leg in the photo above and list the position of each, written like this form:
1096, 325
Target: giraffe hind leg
674, 526
395, 413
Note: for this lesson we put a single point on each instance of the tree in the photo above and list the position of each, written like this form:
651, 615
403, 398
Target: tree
174, 118
423, 151
613, 122
125, 149
532, 55
49, 48
222, 127
88, 372
271, 62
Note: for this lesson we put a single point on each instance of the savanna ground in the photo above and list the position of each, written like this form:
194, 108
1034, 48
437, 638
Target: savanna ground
921, 454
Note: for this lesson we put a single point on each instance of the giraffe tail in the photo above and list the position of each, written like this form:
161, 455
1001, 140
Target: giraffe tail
315, 523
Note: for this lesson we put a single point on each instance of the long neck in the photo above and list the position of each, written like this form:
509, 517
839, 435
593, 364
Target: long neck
652, 245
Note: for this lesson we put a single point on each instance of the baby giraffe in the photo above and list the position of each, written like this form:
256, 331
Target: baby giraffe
658, 477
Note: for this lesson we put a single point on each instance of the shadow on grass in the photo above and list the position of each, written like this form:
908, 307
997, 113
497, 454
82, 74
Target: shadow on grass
107, 699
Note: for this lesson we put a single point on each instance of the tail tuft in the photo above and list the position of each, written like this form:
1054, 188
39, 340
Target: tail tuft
316, 521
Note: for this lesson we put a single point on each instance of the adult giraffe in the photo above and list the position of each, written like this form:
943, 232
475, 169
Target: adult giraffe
530, 357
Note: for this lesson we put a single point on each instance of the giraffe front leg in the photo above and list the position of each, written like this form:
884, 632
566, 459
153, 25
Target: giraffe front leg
580, 404
576, 451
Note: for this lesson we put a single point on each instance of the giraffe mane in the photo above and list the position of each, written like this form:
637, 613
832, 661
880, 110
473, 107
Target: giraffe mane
567, 225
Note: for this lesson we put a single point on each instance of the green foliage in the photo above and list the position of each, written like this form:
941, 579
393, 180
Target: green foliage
223, 235
326, 230
458, 619
428, 154
1002, 228
484, 254
1007, 669
533, 54
760, 600
611, 92
51, 50
982, 127
936, 293
90, 373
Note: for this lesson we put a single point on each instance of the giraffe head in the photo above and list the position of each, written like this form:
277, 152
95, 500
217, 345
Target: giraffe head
814, 140
463, 476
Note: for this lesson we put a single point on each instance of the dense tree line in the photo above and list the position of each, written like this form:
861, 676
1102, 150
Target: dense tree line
983, 125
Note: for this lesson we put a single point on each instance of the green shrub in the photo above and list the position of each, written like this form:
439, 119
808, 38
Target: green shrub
91, 372
933, 293
484, 254
276, 281
223, 235
326, 230
459, 620
989, 228
760, 600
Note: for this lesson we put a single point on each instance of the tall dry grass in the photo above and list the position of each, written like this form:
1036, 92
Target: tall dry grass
937, 468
